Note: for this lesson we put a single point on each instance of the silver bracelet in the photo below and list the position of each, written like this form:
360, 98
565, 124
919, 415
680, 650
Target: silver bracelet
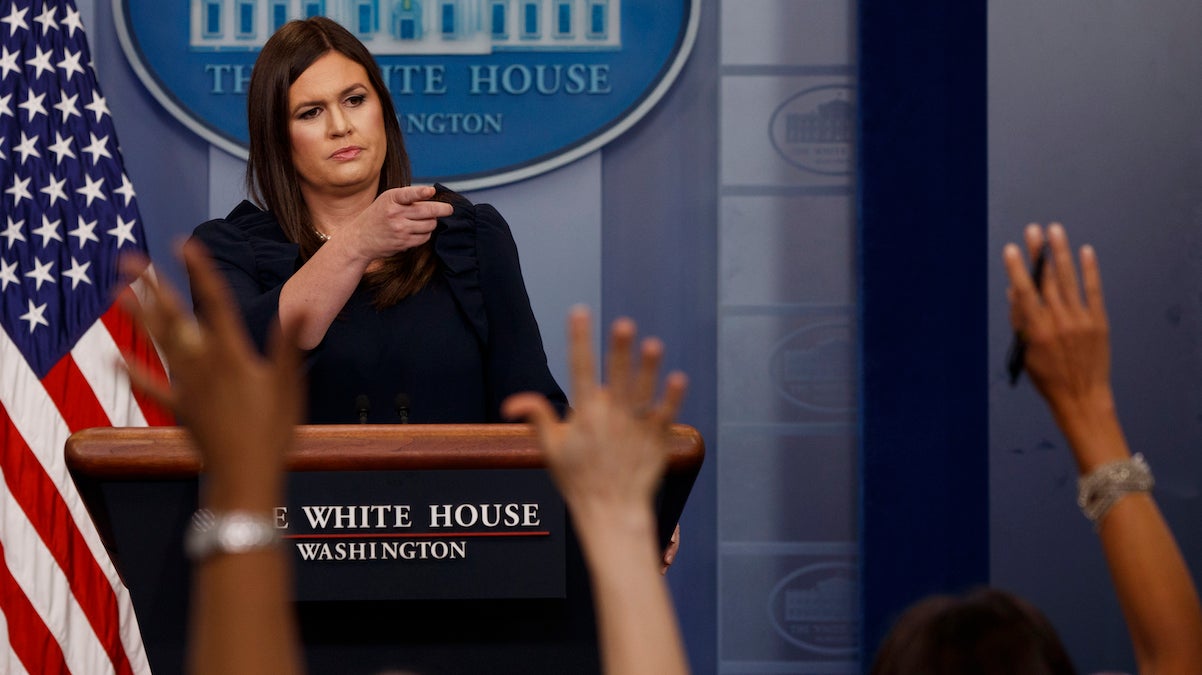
1103, 487
232, 532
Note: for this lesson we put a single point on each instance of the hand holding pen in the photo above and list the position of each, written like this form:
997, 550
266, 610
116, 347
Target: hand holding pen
1062, 322
1016, 357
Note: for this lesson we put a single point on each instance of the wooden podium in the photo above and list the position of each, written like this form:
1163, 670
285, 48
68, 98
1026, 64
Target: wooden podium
518, 603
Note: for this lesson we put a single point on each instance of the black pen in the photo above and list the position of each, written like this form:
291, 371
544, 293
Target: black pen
1018, 346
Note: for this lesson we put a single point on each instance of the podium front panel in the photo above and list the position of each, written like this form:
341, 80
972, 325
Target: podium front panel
424, 535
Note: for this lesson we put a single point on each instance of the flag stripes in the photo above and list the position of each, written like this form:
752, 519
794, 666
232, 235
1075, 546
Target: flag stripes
31, 644
53, 512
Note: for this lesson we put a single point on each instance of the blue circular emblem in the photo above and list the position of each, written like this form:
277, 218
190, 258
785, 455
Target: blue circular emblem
487, 91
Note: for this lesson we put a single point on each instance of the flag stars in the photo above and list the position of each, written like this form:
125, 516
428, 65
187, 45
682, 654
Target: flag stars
15, 20
98, 106
40, 61
35, 316
8, 274
27, 147
13, 232
54, 190
62, 148
72, 21
41, 272
85, 231
126, 190
33, 105
92, 190
48, 230
19, 190
97, 148
67, 107
70, 64
78, 273
8, 62
123, 232
46, 19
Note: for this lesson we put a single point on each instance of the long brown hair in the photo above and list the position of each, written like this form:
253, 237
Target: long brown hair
271, 178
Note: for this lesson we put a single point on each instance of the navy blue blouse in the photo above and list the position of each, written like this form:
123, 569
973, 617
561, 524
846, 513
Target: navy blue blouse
448, 354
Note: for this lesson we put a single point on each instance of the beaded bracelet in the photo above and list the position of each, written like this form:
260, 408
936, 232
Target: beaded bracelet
1101, 489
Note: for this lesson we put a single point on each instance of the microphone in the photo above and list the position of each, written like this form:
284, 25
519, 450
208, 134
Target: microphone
363, 405
402, 407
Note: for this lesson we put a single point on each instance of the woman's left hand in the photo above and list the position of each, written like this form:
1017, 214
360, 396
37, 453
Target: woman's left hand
398, 220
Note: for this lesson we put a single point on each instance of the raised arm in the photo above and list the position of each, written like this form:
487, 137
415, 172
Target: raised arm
1065, 328
240, 409
608, 460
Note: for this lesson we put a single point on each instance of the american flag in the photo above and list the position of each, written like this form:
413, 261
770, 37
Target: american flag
68, 211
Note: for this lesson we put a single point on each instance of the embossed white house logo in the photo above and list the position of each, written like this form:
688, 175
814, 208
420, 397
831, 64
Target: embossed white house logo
814, 608
815, 129
811, 367
487, 91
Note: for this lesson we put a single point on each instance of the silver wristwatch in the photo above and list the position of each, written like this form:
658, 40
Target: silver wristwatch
233, 532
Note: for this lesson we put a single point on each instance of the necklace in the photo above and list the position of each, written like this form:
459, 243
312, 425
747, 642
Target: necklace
321, 235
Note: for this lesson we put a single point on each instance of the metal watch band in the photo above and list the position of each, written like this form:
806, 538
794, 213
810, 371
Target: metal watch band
233, 532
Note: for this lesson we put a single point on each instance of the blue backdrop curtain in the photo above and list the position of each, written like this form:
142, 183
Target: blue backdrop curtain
922, 237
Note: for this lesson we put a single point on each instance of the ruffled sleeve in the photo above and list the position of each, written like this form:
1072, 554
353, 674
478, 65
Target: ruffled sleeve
455, 245
256, 259
480, 263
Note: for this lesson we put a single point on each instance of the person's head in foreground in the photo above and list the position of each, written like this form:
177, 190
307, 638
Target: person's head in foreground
985, 632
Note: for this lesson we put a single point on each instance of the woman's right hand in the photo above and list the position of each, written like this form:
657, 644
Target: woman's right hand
398, 220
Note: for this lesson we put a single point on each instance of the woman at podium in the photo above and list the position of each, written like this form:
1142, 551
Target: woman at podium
414, 307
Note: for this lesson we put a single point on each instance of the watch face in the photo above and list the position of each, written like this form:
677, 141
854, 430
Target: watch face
228, 533
235, 536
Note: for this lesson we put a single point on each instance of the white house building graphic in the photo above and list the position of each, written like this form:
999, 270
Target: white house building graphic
418, 26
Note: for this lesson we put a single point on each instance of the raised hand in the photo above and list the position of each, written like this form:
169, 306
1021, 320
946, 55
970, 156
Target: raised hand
239, 407
1067, 334
610, 454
